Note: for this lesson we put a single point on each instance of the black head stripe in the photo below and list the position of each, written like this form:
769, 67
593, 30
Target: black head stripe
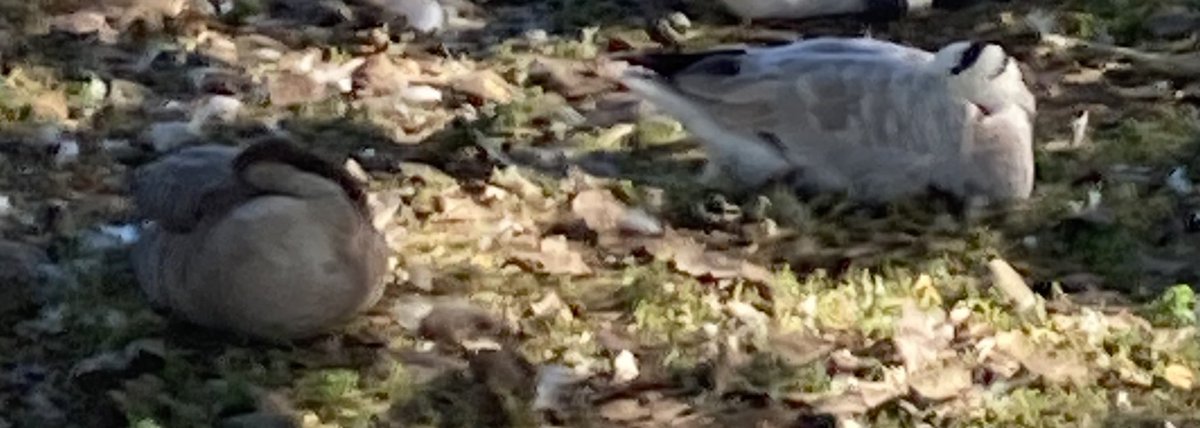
969, 57
281, 151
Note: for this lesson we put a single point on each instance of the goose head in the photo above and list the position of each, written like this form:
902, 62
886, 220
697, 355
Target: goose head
986, 75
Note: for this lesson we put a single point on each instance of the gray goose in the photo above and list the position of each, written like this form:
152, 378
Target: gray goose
869, 118
270, 242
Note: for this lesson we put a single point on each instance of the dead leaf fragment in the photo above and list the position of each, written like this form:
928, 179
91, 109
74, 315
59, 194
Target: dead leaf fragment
486, 85
50, 106
549, 304
286, 89
692, 258
457, 208
941, 383
1005, 278
623, 410
555, 257
379, 76
922, 336
858, 397
799, 348
599, 209
510, 178
1179, 376
568, 78
85, 22
1058, 366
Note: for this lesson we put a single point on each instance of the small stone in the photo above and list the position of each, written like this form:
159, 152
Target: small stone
421, 94
165, 136
625, 367
221, 108
553, 384
425, 16
679, 21
67, 152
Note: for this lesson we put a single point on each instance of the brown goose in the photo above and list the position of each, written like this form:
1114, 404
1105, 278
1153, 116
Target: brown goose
272, 242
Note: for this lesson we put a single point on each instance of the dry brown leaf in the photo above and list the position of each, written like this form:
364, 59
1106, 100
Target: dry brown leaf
922, 337
50, 106
567, 77
1059, 366
554, 256
1010, 282
799, 349
510, 178
454, 207
599, 209
1179, 376
1130, 373
692, 258
941, 383
286, 89
860, 397
486, 85
623, 410
1169, 340
379, 76
85, 22
550, 303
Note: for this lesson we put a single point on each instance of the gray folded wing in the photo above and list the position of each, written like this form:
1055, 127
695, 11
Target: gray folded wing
842, 47
858, 116
177, 189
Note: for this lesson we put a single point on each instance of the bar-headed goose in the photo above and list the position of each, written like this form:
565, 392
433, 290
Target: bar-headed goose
871, 118
271, 242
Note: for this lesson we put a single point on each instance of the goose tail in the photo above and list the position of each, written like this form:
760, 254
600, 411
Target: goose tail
674, 104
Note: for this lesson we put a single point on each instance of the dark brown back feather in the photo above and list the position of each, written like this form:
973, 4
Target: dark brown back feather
282, 151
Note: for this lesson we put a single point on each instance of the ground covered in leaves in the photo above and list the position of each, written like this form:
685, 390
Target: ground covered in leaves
556, 264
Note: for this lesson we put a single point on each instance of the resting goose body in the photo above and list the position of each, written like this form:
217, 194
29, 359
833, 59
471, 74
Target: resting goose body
871, 118
271, 242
